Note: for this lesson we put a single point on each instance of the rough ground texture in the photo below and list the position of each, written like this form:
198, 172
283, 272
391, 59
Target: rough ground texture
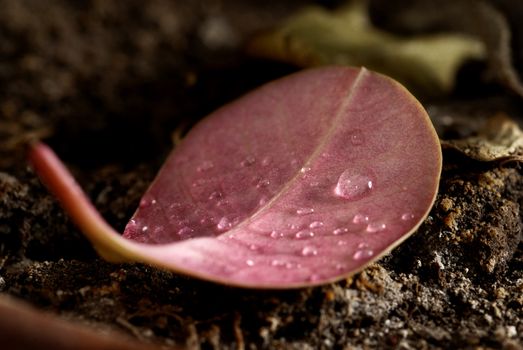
107, 82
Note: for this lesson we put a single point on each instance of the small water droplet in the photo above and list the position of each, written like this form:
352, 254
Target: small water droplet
362, 254
375, 227
407, 216
224, 224
145, 228
341, 243
304, 234
278, 263
263, 183
305, 169
248, 161
153, 202
253, 247
356, 137
340, 231
304, 211
289, 265
340, 267
249, 262
353, 186
263, 200
276, 234
206, 165
316, 224
309, 251
314, 184
360, 219
265, 161
215, 195
314, 277
185, 231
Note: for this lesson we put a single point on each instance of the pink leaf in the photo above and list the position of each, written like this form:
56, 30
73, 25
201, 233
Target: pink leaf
301, 182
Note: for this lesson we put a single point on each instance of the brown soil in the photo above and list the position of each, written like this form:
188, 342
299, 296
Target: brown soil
106, 82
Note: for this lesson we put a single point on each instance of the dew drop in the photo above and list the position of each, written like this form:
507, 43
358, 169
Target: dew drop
185, 231
253, 247
360, 219
407, 216
340, 243
276, 234
224, 224
248, 161
249, 262
145, 228
305, 169
304, 211
206, 165
340, 231
375, 227
353, 186
277, 263
153, 202
215, 195
362, 254
265, 161
263, 183
309, 251
316, 224
356, 137
304, 234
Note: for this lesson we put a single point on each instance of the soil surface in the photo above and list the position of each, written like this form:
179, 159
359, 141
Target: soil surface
106, 83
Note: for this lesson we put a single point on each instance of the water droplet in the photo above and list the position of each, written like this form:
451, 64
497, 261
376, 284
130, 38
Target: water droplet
356, 137
277, 263
362, 254
248, 161
276, 234
263, 200
153, 202
215, 195
314, 277
340, 267
145, 228
340, 231
360, 219
375, 227
407, 216
314, 184
253, 247
341, 243
224, 224
206, 165
185, 231
309, 251
265, 161
353, 186
304, 234
249, 262
316, 224
304, 211
263, 183
305, 169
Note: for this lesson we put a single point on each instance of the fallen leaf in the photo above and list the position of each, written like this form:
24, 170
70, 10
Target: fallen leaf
500, 139
496, 23
302, 182
316, 36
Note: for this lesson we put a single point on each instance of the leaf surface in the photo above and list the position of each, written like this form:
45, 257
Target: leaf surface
301, 182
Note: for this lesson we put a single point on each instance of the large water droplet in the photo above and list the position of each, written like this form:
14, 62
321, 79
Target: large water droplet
304, 211
375, 227
304, 234
316, 224
248, 161
309, 251
224, 224
353, 186
407, 216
